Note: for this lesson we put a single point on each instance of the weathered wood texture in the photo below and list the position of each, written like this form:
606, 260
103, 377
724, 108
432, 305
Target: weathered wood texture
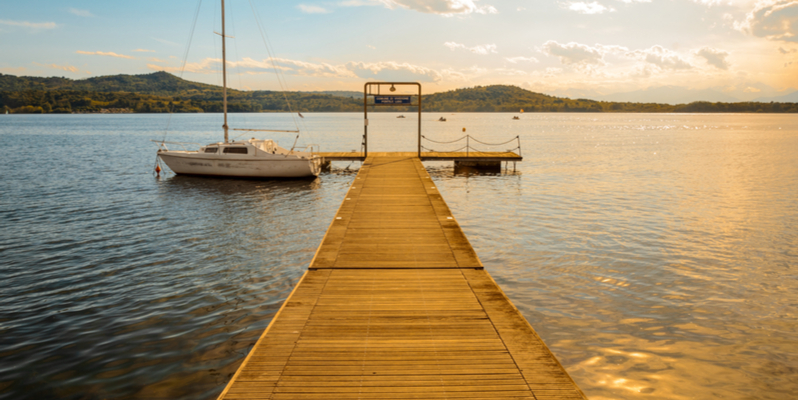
396, 305
426, 156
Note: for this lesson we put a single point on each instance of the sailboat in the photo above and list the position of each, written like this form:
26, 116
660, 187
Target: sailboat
251, 158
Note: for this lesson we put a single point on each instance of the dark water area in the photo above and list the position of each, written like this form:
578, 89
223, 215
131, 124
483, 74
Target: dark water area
655, 254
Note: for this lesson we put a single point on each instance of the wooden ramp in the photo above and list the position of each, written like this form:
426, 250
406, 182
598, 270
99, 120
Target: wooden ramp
396, 305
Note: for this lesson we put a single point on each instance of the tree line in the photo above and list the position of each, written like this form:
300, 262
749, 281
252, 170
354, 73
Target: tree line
161, 92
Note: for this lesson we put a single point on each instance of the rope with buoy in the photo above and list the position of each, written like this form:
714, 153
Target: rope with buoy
157, 168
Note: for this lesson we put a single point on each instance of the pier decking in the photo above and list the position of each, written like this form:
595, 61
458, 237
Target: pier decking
396, 305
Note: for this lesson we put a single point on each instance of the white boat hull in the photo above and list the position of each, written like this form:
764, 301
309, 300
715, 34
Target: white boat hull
192, 163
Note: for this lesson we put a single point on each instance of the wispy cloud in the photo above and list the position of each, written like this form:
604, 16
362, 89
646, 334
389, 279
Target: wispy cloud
515, 60
26, 24
587, 8
105, 53
165, 42
15, 70
81, 13
575, 53
481, 49
153, 59
68, 68
144, 51
715, 57
660, 57
312, 9
446, 8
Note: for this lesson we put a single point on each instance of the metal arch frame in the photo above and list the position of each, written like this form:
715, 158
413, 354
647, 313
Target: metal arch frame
368, 92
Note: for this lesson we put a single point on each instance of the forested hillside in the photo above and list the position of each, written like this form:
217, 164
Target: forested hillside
161, 92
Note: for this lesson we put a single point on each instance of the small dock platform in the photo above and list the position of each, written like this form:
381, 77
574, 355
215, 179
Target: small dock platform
397, 305
426, 156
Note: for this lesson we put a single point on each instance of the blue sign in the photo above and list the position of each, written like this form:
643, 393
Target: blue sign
392, 99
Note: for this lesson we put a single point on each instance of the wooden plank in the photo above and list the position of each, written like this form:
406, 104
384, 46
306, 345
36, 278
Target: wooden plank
396, 305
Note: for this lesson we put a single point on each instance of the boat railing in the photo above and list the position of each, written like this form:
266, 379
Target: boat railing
162, 145
311, 148
469, 145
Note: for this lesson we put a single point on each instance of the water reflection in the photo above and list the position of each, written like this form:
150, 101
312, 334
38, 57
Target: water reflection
228, 187
656, 255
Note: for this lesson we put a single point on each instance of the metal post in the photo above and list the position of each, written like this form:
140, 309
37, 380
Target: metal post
419, 121
366, 121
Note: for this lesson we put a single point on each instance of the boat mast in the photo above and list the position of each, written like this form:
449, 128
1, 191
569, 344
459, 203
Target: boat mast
224, 78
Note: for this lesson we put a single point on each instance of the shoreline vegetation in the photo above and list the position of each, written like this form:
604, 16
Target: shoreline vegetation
161, 92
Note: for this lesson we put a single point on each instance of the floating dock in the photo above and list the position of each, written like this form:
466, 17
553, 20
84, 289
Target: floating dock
397, 305
503, 156
488, 161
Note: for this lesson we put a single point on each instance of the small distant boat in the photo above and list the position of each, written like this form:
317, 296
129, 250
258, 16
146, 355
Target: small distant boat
515, 117
442, 119
401, 116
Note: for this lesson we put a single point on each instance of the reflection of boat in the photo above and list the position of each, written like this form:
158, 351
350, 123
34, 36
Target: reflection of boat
515, 117
251, 158
442, 119
401, 116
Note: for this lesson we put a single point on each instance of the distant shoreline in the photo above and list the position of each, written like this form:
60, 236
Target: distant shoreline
162, 92
109, 112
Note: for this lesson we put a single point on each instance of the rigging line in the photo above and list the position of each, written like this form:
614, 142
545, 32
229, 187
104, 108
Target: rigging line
236, 52
281, 82
185, 57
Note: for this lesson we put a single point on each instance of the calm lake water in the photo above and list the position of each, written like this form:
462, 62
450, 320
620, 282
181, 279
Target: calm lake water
655, 254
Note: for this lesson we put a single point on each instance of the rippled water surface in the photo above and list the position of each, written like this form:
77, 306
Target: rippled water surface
655, 254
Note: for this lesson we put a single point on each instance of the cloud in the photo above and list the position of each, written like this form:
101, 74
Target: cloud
714, 57
144, 51
587, 8
661, 57
446, 8
67, 68
393, 71
15, 70
153, 59
105, 53
515, 60
358, 3
371, 47
481, 49
509, 72
772, 20
574, 53
784, 51
81, 13
166, 42
26, 24
312, 9
635, 1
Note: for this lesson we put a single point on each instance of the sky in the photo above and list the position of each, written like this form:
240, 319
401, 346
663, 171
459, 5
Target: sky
744, 49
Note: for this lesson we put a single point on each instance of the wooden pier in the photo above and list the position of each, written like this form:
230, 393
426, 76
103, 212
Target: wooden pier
397, 305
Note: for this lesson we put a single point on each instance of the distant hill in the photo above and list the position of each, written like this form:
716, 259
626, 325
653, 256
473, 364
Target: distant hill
787, 98
160, 92
670, 95
342, 93
157, 83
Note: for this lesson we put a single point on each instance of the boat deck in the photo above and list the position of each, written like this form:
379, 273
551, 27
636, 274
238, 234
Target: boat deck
397, 305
